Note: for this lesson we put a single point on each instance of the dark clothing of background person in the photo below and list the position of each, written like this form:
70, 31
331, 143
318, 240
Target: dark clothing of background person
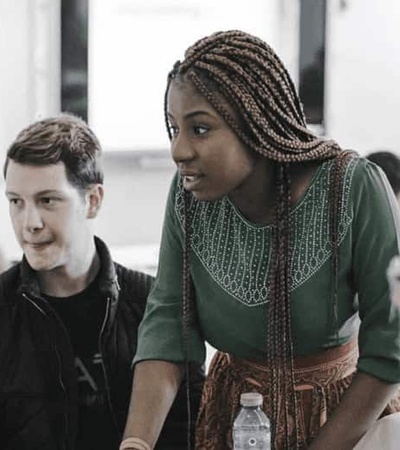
389, 162
38, 372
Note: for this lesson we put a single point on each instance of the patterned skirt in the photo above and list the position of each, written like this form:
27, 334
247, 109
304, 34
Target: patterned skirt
320, 382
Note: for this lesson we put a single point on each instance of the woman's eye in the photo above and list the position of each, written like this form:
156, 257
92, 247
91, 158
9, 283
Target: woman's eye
173, 130
199, 130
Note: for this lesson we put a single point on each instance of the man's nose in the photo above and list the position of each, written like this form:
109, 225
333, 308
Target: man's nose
33, 219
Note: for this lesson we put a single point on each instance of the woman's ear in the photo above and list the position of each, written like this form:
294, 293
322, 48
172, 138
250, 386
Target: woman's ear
94, 199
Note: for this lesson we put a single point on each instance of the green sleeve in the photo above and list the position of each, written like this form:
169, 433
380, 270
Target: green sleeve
376, 241
160, 333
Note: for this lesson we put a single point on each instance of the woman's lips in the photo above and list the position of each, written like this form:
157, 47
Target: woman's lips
190, 182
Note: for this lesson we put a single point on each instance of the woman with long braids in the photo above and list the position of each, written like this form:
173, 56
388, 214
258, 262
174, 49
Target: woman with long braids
275, 245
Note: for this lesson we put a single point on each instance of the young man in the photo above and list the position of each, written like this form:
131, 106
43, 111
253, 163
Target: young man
68, 314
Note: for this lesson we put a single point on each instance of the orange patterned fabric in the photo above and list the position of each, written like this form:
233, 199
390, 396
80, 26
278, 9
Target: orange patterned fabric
320, 380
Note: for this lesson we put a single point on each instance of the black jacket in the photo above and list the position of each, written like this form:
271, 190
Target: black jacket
37, 363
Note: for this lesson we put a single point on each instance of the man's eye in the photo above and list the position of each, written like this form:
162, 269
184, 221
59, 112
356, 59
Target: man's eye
199, 130
47, 200
15, 201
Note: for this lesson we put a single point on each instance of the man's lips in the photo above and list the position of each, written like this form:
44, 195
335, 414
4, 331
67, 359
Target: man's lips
37, 245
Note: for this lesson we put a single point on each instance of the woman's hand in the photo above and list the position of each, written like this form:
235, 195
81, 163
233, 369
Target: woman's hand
360, 407
155, 385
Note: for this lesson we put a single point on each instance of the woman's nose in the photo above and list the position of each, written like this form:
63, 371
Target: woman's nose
181, 149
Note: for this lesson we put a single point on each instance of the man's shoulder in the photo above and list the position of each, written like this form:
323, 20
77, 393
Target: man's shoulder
126, 274
128, 279
9, 284
133, 284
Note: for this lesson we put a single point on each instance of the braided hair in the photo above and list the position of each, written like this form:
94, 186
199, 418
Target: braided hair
242, 70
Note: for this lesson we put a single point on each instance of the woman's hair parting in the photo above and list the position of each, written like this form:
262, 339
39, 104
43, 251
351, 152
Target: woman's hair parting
240, 70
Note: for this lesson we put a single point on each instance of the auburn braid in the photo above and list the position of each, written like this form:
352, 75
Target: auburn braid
280, 342
187, 308
236, 69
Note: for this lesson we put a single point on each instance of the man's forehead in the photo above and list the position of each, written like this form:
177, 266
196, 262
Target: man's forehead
34, 178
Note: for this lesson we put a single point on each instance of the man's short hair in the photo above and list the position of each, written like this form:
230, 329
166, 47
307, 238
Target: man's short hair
65, 138
390, 164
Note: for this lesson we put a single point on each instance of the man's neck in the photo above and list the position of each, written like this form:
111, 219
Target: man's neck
67, 281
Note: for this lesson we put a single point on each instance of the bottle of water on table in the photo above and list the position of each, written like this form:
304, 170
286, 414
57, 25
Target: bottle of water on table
251, 428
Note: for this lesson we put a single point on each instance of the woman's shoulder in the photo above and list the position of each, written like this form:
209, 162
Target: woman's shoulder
356, 169
365, 173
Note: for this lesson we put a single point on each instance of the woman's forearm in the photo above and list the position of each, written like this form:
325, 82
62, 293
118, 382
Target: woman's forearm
360, 407
155, 385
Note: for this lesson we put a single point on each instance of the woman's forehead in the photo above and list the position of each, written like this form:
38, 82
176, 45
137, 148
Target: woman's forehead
183, 93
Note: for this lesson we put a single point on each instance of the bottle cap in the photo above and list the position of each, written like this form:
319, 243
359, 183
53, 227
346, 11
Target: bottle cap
251, 399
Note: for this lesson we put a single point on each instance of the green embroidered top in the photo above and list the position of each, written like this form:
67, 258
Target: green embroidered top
230, 263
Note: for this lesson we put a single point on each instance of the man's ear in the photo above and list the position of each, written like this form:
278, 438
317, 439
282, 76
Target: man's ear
94, 199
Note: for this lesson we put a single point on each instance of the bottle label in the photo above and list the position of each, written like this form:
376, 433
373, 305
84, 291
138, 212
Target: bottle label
244, 440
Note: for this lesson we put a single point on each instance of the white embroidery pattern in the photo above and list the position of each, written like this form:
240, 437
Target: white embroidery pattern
237, 253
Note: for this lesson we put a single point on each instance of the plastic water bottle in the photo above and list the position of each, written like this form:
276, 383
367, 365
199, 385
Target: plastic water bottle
251, 428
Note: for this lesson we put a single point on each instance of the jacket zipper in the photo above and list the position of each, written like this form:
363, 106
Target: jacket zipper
59, 364
106, 380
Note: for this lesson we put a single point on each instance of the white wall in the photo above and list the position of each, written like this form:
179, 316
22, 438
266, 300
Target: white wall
29, 69
133, 46
363, 69
14, 68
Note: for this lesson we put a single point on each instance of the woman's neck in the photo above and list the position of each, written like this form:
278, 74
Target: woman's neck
256, 200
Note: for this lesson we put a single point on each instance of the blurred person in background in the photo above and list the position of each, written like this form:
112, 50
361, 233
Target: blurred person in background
274, 240
69, 315
390, 164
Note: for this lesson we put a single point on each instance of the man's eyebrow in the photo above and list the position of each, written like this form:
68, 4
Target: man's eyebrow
8, 193
47, 192
37, 194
